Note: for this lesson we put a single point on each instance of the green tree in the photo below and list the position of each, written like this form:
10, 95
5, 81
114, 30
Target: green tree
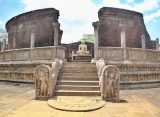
3, 34
87, 38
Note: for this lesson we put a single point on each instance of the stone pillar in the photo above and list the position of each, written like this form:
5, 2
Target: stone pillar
4, 45
1, 45
14, 41
32, 36
143, 41
56, 26
157, 43
157, 48
123, 39
143, 47
96, 26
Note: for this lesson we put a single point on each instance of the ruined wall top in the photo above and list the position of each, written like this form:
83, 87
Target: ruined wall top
119, 13
40, 22
32, 15
109, 30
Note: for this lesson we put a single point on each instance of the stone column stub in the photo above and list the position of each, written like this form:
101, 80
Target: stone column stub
123, 39
56, 26
157, 43
143, 42
157, 48
14, 40
4, 45
96, 26
33, 27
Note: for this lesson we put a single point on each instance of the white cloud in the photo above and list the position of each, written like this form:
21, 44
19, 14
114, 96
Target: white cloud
70, 10
130, 1
151, 16
154, 21
146, 5
86, 12
74, 33
1, 22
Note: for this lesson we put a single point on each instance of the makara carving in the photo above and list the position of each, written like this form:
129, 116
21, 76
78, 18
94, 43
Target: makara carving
100, 64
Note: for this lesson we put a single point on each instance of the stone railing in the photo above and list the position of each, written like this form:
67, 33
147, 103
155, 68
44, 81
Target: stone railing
131, 54
37, 53
111, 53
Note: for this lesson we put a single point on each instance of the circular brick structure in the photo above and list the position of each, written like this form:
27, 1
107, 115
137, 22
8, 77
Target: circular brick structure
21, 26
109, 32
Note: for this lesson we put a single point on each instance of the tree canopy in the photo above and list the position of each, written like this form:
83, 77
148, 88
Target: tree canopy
87, 38
3, 34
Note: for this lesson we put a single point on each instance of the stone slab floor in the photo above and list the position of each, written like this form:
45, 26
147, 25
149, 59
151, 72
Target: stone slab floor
17, 100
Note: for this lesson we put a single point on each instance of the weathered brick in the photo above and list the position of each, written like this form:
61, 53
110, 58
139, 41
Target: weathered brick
109, 32
44, 32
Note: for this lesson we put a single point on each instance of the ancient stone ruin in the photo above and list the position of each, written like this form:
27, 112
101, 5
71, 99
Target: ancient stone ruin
121, 57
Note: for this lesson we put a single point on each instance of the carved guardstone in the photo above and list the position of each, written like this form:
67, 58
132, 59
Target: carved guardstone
110, 83
46, 79
43, 81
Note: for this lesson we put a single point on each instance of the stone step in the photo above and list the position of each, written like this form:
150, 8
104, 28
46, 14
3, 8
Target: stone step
83, 83
78, 70
77, 88
76, 93
87, 60
79, 75
78, 79
79, 65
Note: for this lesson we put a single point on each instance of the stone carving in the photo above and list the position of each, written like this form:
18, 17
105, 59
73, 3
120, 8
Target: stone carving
82, 52
46, 78
75, 103
56, 66
42, 75
82, 48
136, 54
151, 56
37, 53
100, 64
113, 54
110, 83
45, 53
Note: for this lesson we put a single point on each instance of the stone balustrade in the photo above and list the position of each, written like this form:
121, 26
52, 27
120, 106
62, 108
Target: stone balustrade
132, 54
36, 53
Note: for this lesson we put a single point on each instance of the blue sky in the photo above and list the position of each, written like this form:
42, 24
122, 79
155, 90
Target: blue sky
76, 16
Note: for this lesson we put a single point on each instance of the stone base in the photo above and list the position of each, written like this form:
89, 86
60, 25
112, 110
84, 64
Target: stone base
81, 57
76, 103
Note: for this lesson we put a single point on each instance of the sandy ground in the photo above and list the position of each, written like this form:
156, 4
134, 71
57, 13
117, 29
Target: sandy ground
17, 100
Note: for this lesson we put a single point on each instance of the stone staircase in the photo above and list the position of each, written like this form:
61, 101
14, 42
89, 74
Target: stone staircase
78, 79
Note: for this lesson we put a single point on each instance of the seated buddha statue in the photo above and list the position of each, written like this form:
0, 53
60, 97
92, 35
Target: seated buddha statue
82, 49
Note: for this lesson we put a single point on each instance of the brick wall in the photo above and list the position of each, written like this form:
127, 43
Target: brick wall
44, 32
109, 31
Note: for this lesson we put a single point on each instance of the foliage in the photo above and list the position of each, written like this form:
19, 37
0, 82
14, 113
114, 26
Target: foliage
87, 38
3, 34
